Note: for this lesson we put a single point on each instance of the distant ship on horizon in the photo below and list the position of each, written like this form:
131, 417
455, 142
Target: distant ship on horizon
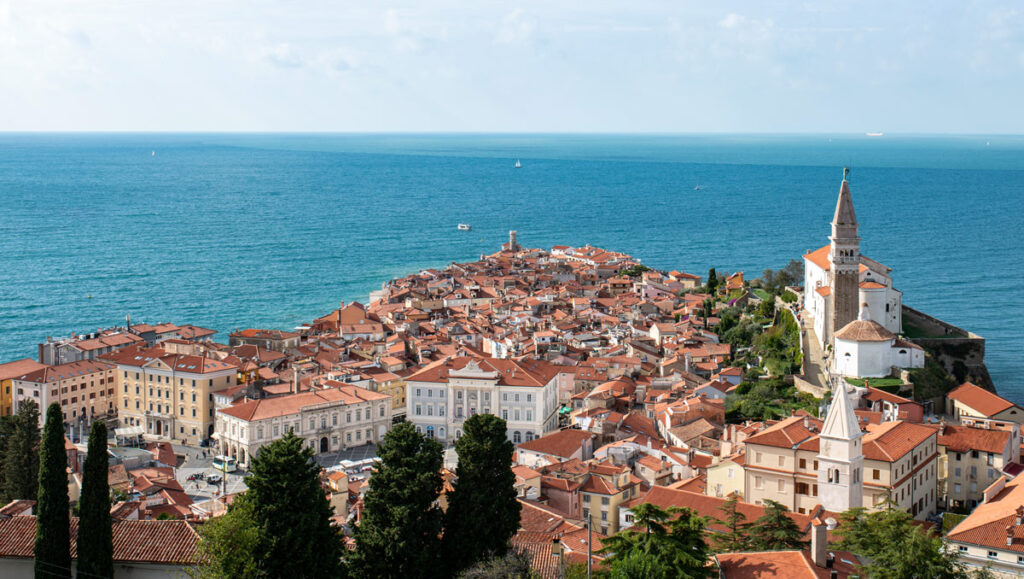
878, 134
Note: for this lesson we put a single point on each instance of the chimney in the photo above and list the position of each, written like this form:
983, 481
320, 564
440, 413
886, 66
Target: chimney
942, 429
819, 543
807, 422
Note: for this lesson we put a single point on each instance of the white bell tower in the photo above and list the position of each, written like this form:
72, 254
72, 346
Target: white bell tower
840, 456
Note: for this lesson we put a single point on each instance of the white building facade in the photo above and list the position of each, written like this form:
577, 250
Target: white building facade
441, 396
331, 419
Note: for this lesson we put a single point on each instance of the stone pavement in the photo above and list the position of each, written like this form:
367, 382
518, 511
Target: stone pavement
814, 357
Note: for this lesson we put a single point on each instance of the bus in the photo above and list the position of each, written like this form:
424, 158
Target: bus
225, 463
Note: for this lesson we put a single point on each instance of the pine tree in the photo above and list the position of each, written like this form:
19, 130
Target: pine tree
483, 513
774, 530
712, 280
53, 519
670, 546
95, 540
399, 533
229, 545
735, 538
21, 457
292, 512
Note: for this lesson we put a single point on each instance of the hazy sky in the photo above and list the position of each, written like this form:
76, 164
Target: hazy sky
550, 66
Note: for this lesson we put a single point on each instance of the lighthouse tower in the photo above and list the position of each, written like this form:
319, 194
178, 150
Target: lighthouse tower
840, 456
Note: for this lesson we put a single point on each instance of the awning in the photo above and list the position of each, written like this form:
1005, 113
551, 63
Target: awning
129, 431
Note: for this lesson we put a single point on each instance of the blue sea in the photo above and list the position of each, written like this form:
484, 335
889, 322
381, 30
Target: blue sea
233, 231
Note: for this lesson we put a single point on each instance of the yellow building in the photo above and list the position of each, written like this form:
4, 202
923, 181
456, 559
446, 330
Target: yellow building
605, 489
970, 459
83, 389
394, 386
726, 477
899, 460
169, 395
8, 372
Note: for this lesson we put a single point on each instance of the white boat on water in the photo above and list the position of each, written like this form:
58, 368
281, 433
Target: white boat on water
465, 227
879, 134
518, 164
697, 186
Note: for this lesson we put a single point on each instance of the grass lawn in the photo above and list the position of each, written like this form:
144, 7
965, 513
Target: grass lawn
876, 382
762, 294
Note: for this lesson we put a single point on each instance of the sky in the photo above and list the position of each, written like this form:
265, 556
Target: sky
636, 66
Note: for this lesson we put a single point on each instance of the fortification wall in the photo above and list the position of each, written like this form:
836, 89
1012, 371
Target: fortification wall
960, 352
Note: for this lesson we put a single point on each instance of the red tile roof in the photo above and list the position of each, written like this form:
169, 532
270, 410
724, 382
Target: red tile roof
981, 400
170, 542
562, 444
788, 564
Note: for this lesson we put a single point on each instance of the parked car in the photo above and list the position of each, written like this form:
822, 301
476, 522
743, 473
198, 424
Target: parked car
214, 479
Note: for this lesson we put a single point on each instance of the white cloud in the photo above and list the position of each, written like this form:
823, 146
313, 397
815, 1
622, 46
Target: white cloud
282, 56
731, 20
515, 28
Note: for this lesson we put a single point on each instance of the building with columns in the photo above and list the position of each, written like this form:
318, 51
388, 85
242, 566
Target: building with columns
169, 395
441, 396
332, 418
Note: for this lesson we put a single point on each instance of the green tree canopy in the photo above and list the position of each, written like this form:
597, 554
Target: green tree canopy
21, 454
895, 546
671, 544
53, 517
296, 538
399, 534
735, 538
95, 540
483, 513
774, 530
229, 545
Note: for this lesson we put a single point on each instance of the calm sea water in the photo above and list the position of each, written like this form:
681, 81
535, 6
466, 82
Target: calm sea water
231, 231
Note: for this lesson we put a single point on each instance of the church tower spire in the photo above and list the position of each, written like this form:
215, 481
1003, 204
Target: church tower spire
844, 261
840, 455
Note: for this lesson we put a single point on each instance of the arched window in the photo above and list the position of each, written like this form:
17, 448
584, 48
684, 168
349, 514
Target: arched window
517, 437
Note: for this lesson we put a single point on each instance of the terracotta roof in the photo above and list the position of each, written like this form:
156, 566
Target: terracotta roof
508, 372
562, 444
787, 434
979, 399
19, 368
290, 404
964, 438
891, 441
788, 564
65, 371
871, 285
990, 521
865, 331
170, 542
707, 506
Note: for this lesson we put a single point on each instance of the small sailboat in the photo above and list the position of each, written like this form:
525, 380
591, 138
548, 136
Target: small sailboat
153, 154
697, 186
465, 227
518, 164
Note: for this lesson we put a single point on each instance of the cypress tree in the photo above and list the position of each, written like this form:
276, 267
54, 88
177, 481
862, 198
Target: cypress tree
289, 507
53, 520
95, 539
483, 513
21, 456
399, 533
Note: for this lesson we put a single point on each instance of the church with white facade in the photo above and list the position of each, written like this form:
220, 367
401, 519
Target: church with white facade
856, 310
